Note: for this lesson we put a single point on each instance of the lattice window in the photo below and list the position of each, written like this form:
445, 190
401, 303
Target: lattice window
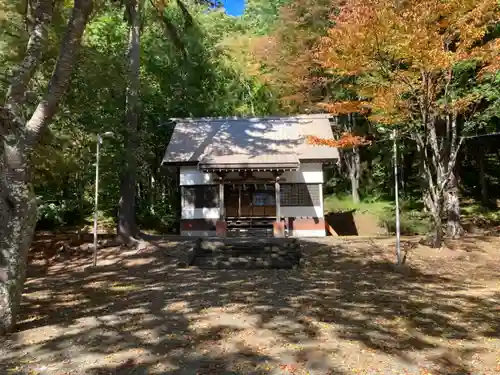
264, 198
300, 195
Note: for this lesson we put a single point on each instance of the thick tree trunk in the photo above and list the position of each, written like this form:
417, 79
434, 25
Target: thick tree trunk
435, 208
440, 188
19, 137
437, 236
127, 228
17, 225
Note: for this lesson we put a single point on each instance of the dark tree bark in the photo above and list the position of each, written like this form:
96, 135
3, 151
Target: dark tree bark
127, 227
482, 176
352, 160
18, 138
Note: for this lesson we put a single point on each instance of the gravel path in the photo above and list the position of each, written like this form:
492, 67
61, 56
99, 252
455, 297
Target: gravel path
347, 311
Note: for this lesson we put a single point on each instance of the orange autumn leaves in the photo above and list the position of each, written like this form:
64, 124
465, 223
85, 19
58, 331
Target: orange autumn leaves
413, 34
401, 54
394, 44
347, 140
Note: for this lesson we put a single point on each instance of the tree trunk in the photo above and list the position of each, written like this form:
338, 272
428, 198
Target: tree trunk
352, 160
19, 137
482, 177
17, 225
438, 161
127, 227
437, 236
354, 169
454, 228
435, 208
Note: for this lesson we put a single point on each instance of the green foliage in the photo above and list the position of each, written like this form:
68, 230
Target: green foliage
412, 220
203, 81
214, 77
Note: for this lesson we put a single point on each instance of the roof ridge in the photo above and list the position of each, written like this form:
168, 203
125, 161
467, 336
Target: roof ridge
263, 118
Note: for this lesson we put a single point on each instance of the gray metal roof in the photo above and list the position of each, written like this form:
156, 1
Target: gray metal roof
246, 141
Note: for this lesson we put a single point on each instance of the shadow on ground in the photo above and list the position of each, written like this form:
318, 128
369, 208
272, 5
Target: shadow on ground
347, 309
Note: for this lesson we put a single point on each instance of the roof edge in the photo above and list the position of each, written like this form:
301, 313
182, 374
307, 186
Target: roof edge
260, 118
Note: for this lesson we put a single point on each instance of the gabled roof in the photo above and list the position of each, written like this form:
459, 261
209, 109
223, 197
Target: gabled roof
249, 141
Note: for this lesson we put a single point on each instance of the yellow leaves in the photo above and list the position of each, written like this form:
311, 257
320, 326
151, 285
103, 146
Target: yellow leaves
345, 107
160, 5
461, 105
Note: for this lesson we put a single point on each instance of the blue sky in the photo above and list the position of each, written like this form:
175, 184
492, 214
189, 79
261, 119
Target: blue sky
234, 7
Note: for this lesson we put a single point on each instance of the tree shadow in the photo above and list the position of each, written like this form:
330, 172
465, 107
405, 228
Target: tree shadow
348, 298
342, 222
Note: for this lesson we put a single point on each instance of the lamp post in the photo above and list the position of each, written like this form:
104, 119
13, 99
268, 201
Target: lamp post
396, 193
97, 156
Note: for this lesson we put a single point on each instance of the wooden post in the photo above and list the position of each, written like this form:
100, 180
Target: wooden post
239, 200
278, 196
221, 225
222, 214
279, 226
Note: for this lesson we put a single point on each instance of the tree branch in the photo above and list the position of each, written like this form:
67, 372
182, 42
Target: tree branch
170, 30
22, 75
188, 18
61, 75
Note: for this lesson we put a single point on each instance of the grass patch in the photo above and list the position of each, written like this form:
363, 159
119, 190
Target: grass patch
480, 216
412, 221
336, 203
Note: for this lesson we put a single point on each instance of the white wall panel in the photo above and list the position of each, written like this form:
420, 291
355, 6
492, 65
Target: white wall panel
308, 173
309, 233
200, 213
302, 211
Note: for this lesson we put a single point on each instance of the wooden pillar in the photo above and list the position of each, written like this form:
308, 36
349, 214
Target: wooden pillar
279, 226
239, 200
278, 198
221, 225
222, 214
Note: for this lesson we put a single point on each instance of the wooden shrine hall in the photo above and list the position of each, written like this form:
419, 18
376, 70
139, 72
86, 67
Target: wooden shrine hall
251, 176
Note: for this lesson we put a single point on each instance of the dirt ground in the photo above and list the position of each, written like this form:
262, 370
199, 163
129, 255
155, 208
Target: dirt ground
347, 311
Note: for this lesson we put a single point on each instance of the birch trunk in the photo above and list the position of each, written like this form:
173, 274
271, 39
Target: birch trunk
440, 191
354, 166
127, 228
18, 139
454, 228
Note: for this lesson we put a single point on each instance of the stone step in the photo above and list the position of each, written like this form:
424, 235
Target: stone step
244, 254
245, 263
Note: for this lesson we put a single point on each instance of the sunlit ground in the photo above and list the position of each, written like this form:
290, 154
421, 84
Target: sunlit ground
347, 311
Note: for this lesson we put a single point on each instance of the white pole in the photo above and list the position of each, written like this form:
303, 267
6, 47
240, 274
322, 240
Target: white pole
396, 193
99, 140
